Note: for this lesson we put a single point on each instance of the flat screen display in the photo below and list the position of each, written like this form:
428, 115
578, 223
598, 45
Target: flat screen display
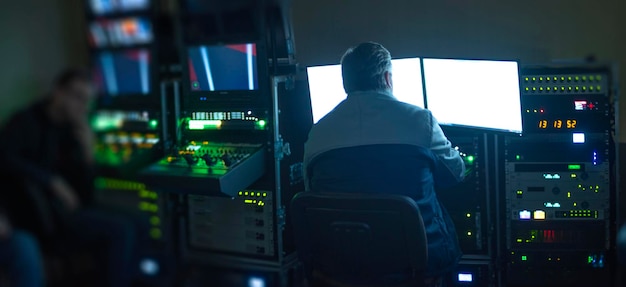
120, 32
326, 85
474, 93
123, 72
102, 7
223, 68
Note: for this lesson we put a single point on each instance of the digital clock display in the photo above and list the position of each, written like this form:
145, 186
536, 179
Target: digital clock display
558, 124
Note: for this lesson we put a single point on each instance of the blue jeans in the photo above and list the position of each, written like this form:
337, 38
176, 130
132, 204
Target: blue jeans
20, 254
113, 235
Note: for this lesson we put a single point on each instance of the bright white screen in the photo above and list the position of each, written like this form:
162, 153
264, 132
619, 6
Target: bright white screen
326, 85
326, 89
483, 94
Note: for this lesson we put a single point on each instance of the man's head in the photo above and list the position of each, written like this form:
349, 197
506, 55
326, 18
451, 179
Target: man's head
72, 95
366, 67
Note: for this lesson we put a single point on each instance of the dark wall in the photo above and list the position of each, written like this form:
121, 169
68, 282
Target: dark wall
531, 31
38, 38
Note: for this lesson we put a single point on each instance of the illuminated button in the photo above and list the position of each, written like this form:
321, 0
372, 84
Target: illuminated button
539, 215
524, 215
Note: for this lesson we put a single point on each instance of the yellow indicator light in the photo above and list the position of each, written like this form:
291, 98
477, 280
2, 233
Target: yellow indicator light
258, 194
240, 193
575, 204
527, 89
526, 79
580, 185
591, 88
264, 194
260, 203
540, 79
562, 79
468, 215
534, 79
248, 201
528, 111
547, 89
519, 240
534, 88
245, 193
469, 233
577, 88
539, 215
569, 194
205, 142
573, 175
569, 79
555, 78
562, 88
599, 88
254, 201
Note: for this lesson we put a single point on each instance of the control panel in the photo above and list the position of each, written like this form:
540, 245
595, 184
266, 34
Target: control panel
559, 180
125, 138
469, 214
241, 224
209, 168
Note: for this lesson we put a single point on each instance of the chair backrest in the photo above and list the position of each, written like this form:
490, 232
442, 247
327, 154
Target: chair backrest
359, 238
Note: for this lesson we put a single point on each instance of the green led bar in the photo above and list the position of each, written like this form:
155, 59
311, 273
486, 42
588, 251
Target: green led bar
573, 166
204, 124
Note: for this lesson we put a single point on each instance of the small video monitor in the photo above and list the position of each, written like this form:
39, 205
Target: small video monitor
326, 85
480, 94
123, 73
223, 68
120, 32
103, 7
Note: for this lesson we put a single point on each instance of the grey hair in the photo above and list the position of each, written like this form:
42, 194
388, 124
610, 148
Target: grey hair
363, 68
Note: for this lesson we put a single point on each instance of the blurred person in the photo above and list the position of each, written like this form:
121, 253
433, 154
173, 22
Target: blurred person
46, 150
20, 256
412, 156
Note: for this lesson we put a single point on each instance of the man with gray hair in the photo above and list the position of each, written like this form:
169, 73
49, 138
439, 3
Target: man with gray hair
373, 143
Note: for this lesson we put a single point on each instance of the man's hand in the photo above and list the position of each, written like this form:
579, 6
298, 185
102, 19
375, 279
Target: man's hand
65, 193
5, 227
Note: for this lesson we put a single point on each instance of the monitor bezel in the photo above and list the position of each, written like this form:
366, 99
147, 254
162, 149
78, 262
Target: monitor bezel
477, 128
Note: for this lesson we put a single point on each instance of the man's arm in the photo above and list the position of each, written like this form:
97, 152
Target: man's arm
449, 166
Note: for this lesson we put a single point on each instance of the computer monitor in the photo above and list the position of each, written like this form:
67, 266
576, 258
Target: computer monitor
223, 68
123, 73
120, 32
326, 85
474, 93
102, 7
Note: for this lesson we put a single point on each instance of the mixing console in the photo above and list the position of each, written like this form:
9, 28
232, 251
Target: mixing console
209, 168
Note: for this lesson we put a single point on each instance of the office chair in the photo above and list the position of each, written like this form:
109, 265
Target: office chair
359, 239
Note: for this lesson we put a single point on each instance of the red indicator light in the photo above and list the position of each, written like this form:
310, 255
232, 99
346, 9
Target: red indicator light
591, 105
541, 111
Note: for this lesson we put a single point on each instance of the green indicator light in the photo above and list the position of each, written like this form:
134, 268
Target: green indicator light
591, 78
470, 159
589, 259
261, 124
527, 89
598, 88
526, 79
584, 78
555, 79
155, 233
155, 220
534, 79
573, 166
468, 215
569, 79
154, 123
540, 79
524, 258
518, 157
599, 78
562, 79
